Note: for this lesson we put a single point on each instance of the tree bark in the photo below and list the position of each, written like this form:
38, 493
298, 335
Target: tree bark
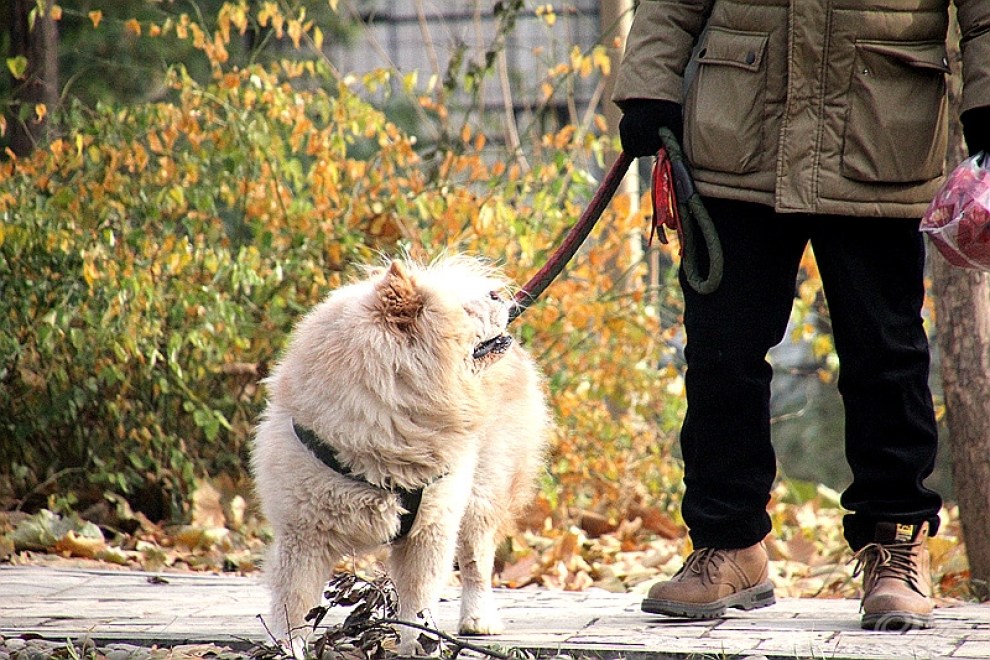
962, 321
39, 44
962, 308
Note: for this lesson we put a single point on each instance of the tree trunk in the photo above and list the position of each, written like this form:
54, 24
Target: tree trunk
40, 86
614, 21
614, 17
962, 316
962, 308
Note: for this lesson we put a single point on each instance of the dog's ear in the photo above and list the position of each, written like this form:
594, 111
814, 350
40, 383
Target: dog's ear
399, 302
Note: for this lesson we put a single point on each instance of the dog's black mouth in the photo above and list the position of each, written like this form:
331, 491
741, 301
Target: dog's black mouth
496, 346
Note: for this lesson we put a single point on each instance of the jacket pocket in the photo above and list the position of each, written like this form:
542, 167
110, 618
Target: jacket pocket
896, 125
725, 104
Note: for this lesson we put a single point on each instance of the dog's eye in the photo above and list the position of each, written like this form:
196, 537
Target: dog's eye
494, 295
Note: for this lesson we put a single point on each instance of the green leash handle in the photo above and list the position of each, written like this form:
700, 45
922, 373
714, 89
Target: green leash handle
694, 219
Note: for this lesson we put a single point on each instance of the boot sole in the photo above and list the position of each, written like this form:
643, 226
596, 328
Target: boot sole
897, 621
748, 599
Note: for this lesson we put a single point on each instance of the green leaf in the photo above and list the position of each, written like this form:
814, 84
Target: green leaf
18, 66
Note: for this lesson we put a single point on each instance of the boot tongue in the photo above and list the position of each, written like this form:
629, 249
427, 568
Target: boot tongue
888, 532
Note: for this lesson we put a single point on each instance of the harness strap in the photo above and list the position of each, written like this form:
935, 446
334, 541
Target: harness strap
410, 499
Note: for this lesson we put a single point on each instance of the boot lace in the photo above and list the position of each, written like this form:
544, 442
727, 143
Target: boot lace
894, 560
703, 562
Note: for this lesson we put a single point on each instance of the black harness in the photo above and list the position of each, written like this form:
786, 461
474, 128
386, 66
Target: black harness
410, 499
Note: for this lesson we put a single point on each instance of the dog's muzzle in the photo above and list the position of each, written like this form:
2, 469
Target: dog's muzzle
496, 346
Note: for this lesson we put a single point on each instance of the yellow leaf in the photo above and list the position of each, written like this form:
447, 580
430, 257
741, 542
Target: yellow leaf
409, 81
272, 13
318, 38
576, 57
580, 62
76, 545
808, 291
55, 13
90, 274
18, 66
333, 4
177, 194
941, 549
265, 14
822, 346
182, 27
602, 60
133, 26
113, 555
96, 16
546, 12
295, 32
40, 112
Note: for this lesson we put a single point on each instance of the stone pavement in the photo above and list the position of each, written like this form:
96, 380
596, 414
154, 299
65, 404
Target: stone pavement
171, 609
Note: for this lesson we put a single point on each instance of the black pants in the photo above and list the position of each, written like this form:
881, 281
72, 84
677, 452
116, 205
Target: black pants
872, 273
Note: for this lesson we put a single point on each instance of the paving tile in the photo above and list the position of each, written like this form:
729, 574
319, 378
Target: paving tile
978, 636
916, 647
798, 645
972, 649
680, 629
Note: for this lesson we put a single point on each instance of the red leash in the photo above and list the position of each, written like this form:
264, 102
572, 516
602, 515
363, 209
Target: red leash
676, 206
575, 237
665, 210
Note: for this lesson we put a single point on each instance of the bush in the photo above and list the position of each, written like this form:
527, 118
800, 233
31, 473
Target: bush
154, 257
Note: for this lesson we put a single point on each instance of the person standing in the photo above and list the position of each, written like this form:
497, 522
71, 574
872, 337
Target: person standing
821, 123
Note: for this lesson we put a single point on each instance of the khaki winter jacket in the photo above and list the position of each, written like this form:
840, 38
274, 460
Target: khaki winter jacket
810, 106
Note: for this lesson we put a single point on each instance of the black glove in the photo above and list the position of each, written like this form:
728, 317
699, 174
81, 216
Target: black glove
641, 122
976, 129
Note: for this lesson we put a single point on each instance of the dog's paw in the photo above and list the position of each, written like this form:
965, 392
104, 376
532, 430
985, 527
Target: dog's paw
409, 646
481, 624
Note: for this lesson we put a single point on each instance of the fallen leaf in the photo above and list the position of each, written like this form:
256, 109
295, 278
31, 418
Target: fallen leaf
74, 545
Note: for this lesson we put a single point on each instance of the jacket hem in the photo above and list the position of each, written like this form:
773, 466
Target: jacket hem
842, 207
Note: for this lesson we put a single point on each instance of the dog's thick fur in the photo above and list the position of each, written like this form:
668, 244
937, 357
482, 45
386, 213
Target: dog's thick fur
399, 375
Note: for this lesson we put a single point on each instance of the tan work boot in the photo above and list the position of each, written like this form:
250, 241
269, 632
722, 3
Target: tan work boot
713, 580
897, 582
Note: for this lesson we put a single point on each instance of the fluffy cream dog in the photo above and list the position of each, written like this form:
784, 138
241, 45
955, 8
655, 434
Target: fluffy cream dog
405, 383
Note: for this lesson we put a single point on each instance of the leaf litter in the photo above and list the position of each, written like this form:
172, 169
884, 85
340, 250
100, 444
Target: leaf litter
573, 551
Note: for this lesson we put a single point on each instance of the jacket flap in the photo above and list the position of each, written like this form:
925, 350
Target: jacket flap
927, 55
741, 49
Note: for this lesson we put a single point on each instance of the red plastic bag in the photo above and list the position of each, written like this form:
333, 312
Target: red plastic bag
958, 219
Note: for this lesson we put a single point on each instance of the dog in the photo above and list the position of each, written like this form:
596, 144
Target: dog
401, 390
